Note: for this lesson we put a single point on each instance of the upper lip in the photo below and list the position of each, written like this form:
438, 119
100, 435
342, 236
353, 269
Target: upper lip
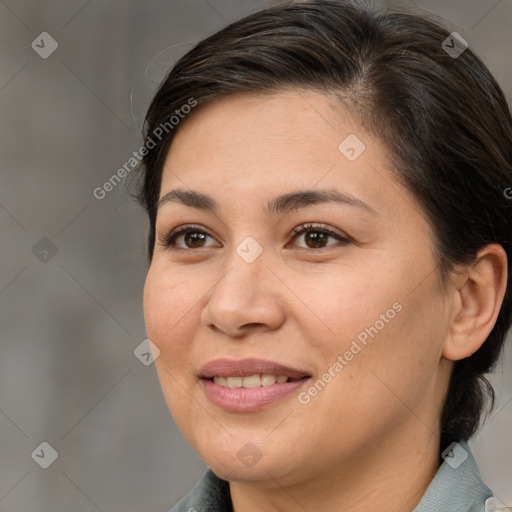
246, 367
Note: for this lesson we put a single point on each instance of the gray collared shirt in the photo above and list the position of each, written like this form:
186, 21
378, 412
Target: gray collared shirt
456, 487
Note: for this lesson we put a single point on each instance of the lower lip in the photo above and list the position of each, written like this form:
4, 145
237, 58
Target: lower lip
248, 399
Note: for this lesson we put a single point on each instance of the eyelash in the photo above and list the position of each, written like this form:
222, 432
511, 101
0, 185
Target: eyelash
168, 241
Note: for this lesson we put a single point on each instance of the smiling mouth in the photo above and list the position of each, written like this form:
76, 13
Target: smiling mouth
253, 381
250, 393
249, 385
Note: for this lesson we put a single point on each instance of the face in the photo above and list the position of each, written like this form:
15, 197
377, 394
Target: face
306, 261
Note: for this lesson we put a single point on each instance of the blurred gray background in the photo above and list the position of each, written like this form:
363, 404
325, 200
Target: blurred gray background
73, 266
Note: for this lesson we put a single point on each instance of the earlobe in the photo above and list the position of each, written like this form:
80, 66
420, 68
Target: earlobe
479, 295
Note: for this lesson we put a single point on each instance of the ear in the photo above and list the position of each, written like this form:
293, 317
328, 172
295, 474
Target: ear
479, 291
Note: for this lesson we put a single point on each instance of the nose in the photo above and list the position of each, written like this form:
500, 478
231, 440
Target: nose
246, 298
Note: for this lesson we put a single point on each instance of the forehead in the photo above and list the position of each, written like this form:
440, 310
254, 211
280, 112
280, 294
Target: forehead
249, 147
300, 116
290, 135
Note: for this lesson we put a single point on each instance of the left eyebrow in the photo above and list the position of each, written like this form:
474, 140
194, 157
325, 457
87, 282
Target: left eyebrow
281, 204
299, 199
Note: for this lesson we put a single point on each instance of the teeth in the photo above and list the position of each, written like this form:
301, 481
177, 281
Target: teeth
234, 382
221, 381
268, 379
251, 381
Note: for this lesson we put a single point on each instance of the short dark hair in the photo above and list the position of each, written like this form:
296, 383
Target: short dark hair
444, 121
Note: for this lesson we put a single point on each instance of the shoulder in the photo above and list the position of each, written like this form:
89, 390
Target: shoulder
210, 494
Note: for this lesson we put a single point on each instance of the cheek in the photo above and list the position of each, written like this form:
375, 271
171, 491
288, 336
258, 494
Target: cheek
349, 299
168, 304
398, 364
388, 331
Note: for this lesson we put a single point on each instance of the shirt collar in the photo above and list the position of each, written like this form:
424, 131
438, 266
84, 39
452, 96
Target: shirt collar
457, 485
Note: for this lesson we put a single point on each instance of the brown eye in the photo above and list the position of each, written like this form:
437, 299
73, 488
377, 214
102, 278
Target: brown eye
316, 237
194, 237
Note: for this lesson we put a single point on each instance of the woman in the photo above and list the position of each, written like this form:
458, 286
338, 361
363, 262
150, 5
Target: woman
329, 254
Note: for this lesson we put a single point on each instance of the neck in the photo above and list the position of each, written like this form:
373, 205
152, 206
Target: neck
387, 475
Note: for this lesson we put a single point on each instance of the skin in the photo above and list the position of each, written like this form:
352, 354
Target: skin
370, 439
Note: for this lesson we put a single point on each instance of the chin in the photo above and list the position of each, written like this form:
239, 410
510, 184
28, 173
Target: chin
230, 468
240, 460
